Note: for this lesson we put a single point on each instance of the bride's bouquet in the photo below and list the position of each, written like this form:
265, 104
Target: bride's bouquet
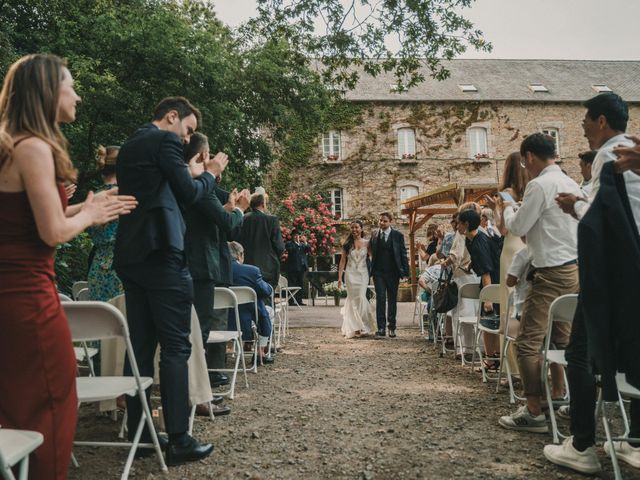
333, 289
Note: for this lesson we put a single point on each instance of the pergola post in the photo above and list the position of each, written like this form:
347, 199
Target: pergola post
412, 254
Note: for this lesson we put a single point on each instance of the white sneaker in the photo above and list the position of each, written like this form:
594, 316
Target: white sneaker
564, 412
625, 452
523, 420
566, 455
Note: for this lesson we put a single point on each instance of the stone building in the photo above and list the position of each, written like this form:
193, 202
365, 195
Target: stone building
457, 130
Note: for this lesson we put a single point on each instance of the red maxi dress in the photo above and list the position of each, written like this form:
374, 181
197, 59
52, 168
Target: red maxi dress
37, 363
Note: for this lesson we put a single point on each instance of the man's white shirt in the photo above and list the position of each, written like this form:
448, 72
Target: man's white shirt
632, 180
551, 233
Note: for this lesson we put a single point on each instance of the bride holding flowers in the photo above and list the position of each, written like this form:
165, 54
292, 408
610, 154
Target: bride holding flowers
358, 317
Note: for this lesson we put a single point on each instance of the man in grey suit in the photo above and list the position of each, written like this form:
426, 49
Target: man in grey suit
262, 240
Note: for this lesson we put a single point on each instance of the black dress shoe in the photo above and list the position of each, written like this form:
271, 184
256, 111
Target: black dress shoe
191, 451
218, 379
392, 333
380, 333
268, 360
144, 452
302, 304
217, 399
202, 410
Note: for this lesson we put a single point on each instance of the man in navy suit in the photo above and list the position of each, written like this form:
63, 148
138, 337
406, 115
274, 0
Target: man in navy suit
297, 264
388, 265
250, 276
150, 261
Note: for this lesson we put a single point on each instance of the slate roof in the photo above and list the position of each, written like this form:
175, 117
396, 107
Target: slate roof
508, 80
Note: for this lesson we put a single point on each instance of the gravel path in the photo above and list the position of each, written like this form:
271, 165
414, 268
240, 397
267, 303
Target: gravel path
368, 408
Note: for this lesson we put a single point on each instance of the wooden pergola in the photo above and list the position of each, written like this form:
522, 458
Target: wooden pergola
441, 201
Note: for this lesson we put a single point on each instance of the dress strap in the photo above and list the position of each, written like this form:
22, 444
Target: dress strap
15, 144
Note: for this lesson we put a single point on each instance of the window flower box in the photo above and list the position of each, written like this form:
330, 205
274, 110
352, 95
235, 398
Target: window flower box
332, 158
408, 156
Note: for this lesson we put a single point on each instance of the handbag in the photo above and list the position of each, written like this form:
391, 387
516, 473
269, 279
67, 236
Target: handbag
446, 296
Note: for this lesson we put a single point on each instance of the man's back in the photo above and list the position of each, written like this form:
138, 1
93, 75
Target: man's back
263, 245
151, 167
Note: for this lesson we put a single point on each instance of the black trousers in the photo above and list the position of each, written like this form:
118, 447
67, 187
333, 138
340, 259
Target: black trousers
296, 279
159, 295
582, 386
203, 297
386, 285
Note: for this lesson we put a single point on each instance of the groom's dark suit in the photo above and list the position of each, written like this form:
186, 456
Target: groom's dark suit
150, 260
388, 264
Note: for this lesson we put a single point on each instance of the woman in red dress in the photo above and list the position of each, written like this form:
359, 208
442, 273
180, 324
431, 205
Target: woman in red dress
37, 384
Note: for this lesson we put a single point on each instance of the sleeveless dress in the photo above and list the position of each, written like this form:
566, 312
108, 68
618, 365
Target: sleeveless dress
37, 384
104, 283
357, 313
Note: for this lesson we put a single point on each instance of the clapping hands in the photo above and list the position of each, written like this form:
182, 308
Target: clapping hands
106, 206
628, 157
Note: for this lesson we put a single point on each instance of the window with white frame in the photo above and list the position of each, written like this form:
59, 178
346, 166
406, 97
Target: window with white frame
408, 191
478, 145
331, 145
337, 203
555, 134
406, 143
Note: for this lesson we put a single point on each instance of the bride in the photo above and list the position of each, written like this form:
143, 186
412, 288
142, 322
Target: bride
358, 315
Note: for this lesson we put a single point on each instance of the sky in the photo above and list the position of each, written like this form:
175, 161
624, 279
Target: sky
543, 29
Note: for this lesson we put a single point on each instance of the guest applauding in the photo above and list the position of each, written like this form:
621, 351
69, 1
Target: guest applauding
551, 240
296, 264
38, 381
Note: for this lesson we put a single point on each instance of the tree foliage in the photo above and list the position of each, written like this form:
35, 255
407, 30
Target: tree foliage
373, 35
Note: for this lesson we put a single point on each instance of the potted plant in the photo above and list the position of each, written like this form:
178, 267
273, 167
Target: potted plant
404, 292
332, 289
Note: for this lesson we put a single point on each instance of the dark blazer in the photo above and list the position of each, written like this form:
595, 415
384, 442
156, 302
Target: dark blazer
151, 167
208, 225
263, 245
297, 259
401, 263
609, 258
250, 276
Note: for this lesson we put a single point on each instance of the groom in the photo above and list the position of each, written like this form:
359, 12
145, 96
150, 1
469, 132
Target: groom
388, 265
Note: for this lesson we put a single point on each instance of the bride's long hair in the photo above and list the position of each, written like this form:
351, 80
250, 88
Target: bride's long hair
349, 242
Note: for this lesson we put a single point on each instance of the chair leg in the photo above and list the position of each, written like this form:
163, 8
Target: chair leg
132, 450
244, 371
503, 354
607, 430
146, 415
24, 469
547, 391
192, 417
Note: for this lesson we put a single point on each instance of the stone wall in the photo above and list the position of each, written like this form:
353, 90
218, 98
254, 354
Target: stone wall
371, 176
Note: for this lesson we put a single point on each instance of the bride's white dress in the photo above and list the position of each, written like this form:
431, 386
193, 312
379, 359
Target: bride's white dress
357, 314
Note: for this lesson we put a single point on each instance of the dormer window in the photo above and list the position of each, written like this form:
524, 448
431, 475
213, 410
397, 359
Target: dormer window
467, 87
538, 87
601, 88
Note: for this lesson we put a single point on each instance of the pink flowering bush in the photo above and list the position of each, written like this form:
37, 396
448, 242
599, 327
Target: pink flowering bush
311, 216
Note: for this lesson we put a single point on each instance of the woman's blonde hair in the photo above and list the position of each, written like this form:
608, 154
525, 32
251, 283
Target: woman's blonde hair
29, 105
514, 175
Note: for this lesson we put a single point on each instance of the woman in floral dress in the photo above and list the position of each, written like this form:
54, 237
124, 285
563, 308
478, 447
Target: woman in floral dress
104, 283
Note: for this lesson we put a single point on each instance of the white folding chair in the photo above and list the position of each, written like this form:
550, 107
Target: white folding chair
77, 287
15, 447
562, 310
420, 309
470, 291
224, 298
490, 293
626, 392
82, 295
101, 321
247, 295
83, 352
510, 332
289, 292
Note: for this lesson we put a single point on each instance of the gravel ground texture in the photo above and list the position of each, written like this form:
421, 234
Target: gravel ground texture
367, 408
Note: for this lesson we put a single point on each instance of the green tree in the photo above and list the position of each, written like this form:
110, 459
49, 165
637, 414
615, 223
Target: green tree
373, 36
